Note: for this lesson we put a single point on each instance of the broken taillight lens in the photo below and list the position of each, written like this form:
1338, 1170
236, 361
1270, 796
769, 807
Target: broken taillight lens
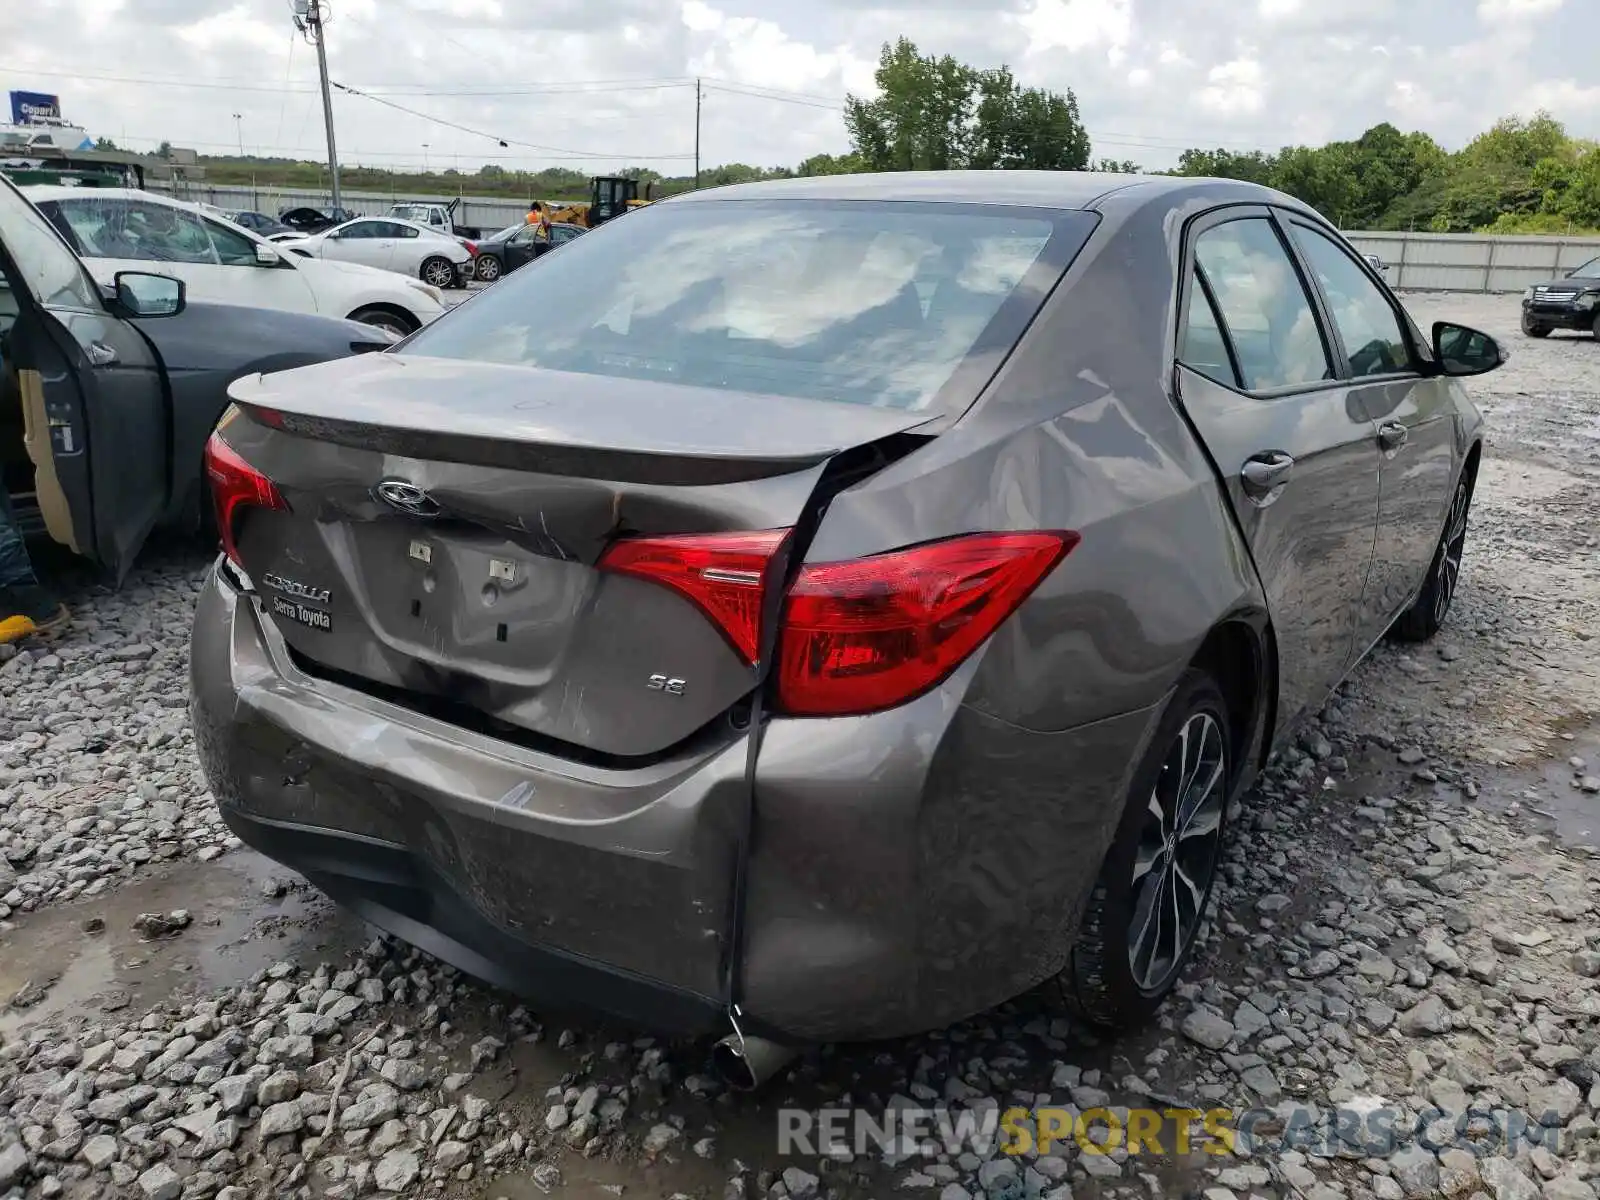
873, 633
857, 636
235, 484
720, 573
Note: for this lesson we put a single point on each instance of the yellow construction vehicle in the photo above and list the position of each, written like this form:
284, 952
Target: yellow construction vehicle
609, 196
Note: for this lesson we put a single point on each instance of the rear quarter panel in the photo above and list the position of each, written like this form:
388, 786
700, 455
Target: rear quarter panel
1002, 815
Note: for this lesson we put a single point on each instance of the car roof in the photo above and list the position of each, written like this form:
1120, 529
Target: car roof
1029, 189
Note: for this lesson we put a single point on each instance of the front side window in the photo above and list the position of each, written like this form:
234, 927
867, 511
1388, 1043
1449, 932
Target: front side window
1366, 320
860, 302
1589, 270
358, 230
45, 265
1263, 304
233, 248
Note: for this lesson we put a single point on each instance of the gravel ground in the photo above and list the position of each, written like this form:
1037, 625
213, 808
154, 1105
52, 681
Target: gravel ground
1407, 927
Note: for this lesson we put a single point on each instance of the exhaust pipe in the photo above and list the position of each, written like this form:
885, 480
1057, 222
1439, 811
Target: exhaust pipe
745, 1063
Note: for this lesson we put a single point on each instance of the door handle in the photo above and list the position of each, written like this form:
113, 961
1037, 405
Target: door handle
1392, 435
1263, 475
100, 354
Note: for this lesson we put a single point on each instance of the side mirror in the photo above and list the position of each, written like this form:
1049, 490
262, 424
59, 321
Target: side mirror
266, 256
1460, 350
142, 294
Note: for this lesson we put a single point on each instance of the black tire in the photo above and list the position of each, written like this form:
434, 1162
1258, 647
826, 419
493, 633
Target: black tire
1426, 615
1596, 329
385, 318
489, 268
1102, 983
439, 271
1533, 329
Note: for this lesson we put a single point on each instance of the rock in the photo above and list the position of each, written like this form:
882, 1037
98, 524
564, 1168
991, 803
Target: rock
659, 1138
1555, 1103
236, 1092
161, 925
278, 1087
485, 1051
1000, 1179
1506, 1180
801, 1185
13, 1164
1324, 962
160, 1182
99, 1151
1567, 1187
1427, 1018
280, 1119
405, 1073
1416, 1170
547, 1177
1207, 1028
396, 1171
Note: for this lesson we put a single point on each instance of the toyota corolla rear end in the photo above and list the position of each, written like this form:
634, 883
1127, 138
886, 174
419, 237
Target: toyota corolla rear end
515, 646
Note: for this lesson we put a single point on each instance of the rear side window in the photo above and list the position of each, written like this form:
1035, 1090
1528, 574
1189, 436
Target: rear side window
864, 302
1268, 315
1204, 348
1367, 323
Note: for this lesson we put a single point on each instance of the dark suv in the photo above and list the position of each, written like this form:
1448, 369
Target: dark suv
1570, 303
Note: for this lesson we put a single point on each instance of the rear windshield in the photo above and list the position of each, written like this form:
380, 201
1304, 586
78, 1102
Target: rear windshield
888, 304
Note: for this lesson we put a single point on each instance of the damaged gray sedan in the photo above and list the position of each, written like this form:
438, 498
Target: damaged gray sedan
824, 609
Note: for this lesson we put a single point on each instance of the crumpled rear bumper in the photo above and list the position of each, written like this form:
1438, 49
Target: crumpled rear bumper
909, 868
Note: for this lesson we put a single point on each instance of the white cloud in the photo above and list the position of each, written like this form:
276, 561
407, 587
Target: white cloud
1152, 76
1512, 10
1234, 87
1077, 24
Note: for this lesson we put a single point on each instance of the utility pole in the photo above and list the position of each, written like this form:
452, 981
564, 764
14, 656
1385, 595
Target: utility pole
310, 17
238, 124
697, 133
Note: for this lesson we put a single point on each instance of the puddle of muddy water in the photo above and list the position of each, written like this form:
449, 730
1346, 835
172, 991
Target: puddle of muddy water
1549, 796
237, 931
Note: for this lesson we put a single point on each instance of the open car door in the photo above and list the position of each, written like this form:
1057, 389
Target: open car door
94, 410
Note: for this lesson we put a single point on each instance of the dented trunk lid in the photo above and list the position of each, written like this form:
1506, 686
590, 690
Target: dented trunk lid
445, 518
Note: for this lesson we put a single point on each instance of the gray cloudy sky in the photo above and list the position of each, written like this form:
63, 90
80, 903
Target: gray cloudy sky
1152, 76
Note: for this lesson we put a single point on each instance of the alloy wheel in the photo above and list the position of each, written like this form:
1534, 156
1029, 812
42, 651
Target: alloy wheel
488, 268
1450, 552
439, 273
1178, 849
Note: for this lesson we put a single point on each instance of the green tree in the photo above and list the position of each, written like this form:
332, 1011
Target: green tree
830, 164
1122, 166
1254, 166
104, 143
937, 114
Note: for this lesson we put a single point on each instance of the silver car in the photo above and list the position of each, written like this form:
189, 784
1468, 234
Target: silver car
827, 608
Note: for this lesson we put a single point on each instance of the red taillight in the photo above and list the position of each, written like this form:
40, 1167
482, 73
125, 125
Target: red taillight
721, 573
857, 636
235, 484
872, 633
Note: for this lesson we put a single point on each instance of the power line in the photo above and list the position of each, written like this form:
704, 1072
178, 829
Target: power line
505, 141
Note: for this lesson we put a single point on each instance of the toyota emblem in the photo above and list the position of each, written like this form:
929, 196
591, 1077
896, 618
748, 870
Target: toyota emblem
407, 497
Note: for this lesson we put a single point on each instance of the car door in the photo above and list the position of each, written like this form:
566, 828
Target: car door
1293, 445
245, 279
1413, 416
361, 242
95, 408
524, 246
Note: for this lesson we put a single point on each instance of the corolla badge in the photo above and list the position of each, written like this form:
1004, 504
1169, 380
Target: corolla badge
406, 497
293, 587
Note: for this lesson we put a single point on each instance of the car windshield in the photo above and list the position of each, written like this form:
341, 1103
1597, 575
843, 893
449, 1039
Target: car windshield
864, 302
409, 212
505, 234
1589, 270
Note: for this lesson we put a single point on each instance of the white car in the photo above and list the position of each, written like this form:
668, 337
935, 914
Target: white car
442, 259
121, 229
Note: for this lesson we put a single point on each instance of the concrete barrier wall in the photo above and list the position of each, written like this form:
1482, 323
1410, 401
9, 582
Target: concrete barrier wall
486, 213
1469, 262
